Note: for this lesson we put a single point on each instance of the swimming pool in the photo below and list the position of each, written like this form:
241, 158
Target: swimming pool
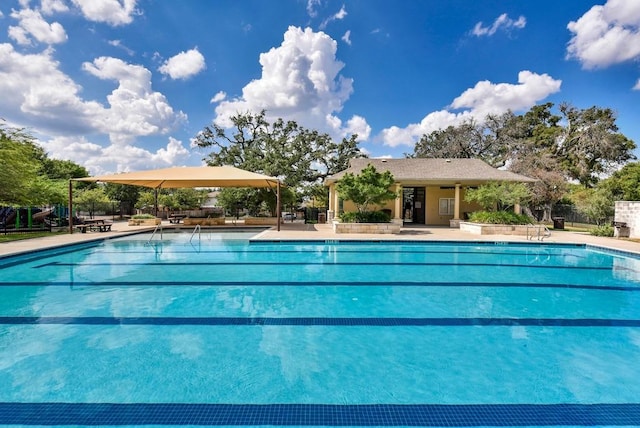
223, 331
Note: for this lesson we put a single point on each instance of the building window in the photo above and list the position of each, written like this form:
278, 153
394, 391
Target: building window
447, 206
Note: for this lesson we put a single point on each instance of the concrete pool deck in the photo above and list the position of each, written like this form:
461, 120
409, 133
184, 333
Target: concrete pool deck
301, 231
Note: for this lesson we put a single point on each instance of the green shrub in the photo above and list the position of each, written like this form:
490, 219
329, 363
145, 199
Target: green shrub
143, 216
499, 217
365, 217
604, 230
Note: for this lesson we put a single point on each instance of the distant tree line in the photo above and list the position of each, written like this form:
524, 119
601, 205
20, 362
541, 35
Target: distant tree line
580, 146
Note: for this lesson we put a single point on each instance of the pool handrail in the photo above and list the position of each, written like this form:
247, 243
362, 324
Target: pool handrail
158, 227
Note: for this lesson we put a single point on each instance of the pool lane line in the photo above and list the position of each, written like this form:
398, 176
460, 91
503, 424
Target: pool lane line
152, 283
323, 321
427, 415
274, 263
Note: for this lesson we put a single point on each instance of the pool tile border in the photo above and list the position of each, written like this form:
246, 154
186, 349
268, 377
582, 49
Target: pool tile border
444, 415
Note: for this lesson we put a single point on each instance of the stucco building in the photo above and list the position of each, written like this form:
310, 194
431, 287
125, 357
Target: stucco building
430, 191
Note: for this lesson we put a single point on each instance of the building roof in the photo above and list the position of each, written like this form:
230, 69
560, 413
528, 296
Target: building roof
433, 171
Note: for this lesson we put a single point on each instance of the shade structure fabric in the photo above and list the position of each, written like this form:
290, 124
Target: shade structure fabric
178, 177
189, 177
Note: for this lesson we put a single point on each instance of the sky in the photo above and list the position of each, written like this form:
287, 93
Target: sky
126, 85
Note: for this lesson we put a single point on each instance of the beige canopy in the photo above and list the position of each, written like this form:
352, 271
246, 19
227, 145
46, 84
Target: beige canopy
171, 178
189, 176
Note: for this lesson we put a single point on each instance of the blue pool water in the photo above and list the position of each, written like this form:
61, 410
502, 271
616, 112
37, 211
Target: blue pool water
218, 330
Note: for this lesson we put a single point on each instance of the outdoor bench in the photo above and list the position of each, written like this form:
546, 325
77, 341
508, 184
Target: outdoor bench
177, 218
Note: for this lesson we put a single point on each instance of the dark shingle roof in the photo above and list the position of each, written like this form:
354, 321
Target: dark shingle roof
434, 170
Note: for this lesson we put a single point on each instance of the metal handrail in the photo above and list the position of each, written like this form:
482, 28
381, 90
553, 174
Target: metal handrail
195, 229
537, 229
158, 227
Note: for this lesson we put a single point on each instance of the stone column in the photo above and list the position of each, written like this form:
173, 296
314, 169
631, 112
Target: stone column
456, 206
398, 206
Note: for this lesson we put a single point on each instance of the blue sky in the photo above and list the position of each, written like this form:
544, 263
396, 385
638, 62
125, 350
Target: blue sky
125, 85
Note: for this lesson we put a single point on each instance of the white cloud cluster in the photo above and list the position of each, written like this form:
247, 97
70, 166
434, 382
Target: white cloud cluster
49, 102
503, 22
490, 98
135, 109
33, 85
184, 65
49, 7
113, 12
300, 81
102, 160
31, 25
607, 34
483, 99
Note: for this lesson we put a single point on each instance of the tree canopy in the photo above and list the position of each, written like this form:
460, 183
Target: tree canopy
300, 157
575, 144
370, 187
27, 175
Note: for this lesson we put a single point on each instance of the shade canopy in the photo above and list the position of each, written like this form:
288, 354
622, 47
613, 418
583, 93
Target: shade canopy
203, 176
190, 177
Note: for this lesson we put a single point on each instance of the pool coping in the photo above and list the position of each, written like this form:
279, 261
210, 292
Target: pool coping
324, 233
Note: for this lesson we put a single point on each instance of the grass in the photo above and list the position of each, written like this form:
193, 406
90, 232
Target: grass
14, 236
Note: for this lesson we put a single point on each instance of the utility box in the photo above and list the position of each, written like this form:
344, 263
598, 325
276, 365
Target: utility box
558, 223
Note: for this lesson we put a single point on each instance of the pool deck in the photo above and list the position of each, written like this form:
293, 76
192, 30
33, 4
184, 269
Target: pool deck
322, 232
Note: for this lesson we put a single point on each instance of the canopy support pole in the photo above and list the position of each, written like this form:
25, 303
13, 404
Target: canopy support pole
278, 209
70, 206
155, 201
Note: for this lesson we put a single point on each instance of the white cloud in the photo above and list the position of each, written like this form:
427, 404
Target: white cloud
637, 86
606, 35
184, 64
33, 85
135, 109
113, 12
490, 98
171, 154
218, 97
311, 7
31, 24
347, 37
118, 44
42, 97
77, 149
337, 16
49, 7
503, 22
483, 99
114, 158
358, 125
300, 81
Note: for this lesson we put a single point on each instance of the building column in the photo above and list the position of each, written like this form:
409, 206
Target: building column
456, 205
398, 206
332, 205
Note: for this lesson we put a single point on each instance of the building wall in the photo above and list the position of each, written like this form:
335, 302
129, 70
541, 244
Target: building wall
432, 213
629, 212
433, 196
